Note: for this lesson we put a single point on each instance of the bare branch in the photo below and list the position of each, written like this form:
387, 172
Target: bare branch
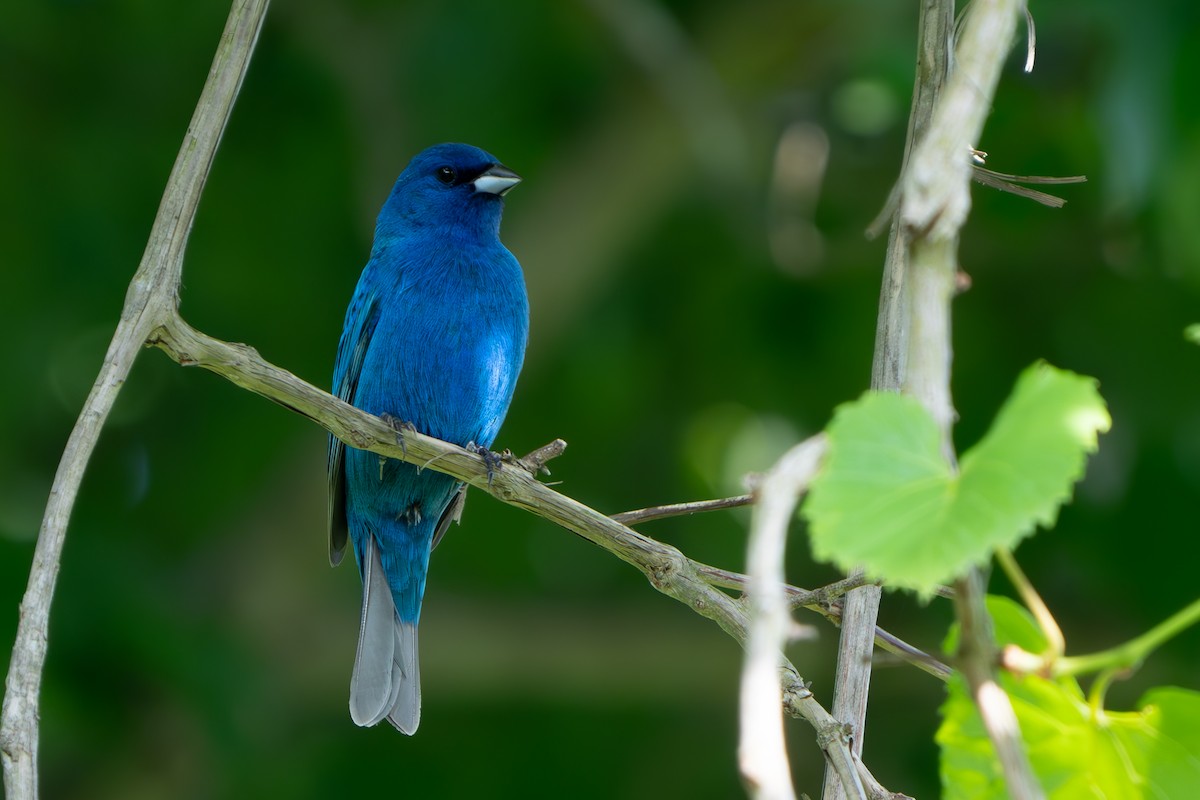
534, 462
667, 569
153, 293
682, 509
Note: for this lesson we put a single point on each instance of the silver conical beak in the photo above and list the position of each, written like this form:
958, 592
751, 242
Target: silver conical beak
497, 180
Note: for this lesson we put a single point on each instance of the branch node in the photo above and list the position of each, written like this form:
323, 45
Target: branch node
534, 462
834, 733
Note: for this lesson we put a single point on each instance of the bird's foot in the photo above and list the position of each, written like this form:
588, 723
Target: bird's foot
491, 459
401, 427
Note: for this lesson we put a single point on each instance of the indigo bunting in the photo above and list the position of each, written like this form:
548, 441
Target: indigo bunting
434, 338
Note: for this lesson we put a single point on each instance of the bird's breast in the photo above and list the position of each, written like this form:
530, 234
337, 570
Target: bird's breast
447, 353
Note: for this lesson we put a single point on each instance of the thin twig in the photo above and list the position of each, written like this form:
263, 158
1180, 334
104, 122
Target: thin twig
682, 509
911, 655
822, 601
1008, 183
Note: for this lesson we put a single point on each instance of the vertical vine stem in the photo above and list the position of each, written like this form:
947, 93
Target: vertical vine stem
889, 370
954, 88
152, 296
935, 200
934, 205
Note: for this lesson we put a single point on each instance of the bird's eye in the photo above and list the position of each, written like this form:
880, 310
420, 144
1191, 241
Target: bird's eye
446, 174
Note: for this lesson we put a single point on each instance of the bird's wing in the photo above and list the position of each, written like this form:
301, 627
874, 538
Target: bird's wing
453, 513
361, 319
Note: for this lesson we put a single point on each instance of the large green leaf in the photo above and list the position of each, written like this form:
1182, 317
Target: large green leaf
888, 500
1075, 752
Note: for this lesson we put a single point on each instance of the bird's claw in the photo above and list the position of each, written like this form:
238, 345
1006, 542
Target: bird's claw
491, 460
400, 427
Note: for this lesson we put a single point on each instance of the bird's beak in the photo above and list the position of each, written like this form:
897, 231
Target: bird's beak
496, 179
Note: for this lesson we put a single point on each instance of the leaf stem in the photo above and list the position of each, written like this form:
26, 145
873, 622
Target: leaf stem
1132, 653
1033, 601
1099, 690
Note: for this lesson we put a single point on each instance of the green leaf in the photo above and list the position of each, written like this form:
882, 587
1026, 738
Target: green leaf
1023, 469
1192, 333
887, 499
1168, 733
1153, 752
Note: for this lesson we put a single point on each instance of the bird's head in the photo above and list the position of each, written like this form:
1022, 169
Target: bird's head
449, 186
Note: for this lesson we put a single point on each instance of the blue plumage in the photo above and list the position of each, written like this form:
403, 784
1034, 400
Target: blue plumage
434, 336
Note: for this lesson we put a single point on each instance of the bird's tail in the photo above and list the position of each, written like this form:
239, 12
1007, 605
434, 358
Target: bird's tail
386, 682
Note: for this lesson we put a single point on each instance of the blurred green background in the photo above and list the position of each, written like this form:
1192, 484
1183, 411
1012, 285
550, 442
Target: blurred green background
698, 179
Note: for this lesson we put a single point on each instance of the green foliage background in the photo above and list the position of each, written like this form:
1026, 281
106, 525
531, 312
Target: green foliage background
200, 645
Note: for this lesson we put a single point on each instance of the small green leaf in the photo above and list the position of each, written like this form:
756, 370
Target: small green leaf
886, 498
1153, 752
1023, 469
884, 484
1192, 333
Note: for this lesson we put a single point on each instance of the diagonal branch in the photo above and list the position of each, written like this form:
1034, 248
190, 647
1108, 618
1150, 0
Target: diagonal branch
667, 569
665, 566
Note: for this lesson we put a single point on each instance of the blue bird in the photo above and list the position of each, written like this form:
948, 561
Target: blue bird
434, 338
